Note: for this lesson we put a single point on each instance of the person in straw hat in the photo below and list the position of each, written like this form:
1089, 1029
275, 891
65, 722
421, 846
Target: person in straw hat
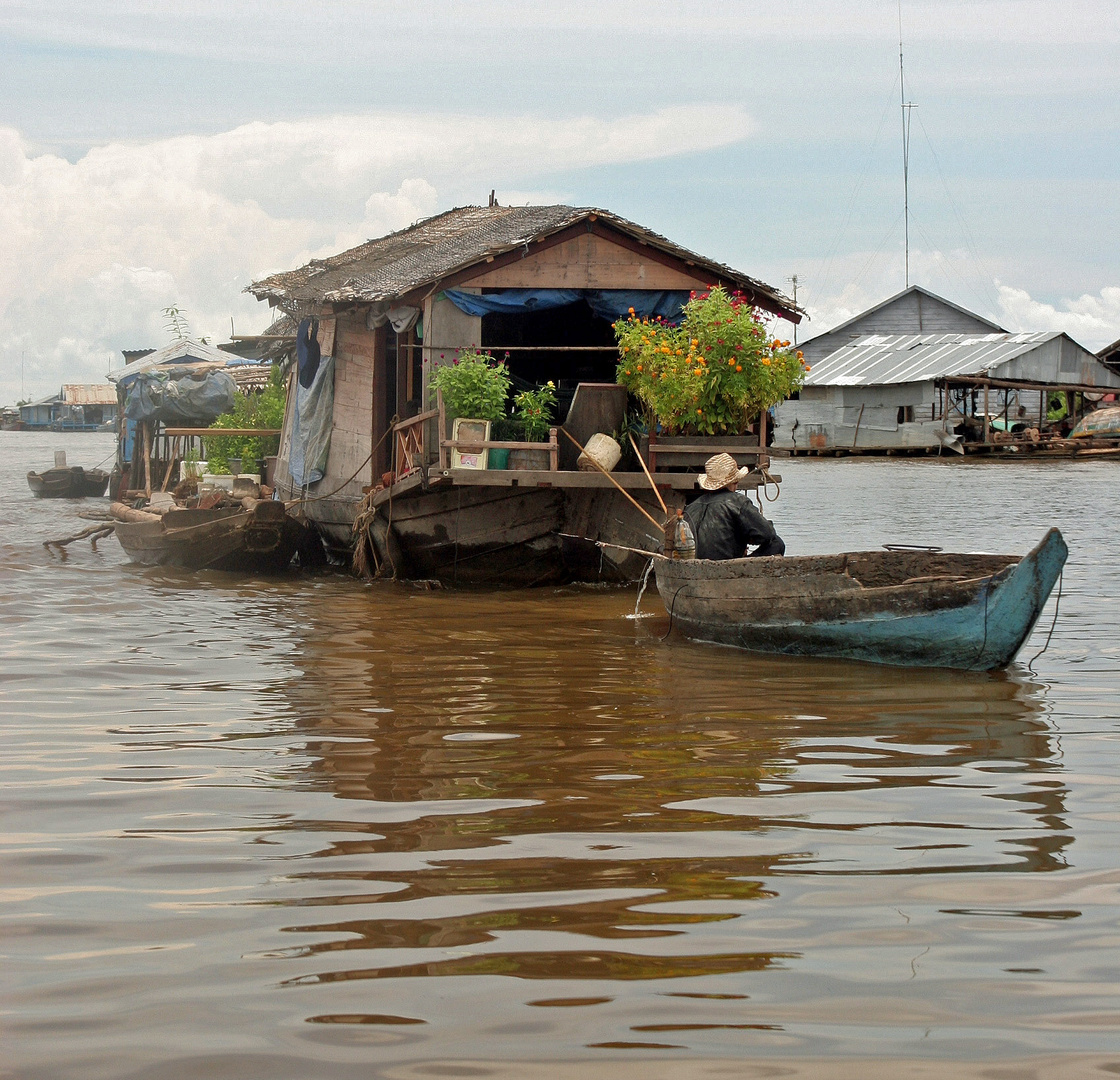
724, 521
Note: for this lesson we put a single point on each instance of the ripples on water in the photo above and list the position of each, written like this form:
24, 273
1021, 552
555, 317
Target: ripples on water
313, 828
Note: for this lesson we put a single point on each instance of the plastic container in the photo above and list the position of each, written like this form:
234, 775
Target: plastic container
603, 449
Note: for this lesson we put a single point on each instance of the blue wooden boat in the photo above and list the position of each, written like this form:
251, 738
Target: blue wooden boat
911, 607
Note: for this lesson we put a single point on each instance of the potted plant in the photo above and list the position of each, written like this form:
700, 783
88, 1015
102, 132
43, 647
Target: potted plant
713, 373
474, 388
534, 412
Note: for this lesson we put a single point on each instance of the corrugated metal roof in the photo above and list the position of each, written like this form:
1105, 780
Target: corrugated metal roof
89, 394
388, 267
184, 351
883, 359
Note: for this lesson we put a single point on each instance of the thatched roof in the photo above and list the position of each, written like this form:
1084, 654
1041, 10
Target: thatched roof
422, 255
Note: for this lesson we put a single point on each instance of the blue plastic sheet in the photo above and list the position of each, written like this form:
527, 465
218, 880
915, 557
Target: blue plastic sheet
312, 423
611, 304
194, 399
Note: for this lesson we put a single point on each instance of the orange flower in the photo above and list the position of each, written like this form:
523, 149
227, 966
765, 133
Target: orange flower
800, 355
731, 363
766, 360
699, 412
738, 367
807, 368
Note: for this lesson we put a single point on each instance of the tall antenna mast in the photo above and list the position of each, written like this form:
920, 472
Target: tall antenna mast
794, 281
906, 107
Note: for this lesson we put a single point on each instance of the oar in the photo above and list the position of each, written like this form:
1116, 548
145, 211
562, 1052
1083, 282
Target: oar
641, 509
638, 455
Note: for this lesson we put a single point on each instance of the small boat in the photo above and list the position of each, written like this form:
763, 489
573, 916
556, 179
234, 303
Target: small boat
261, 539
68, 482
915, 608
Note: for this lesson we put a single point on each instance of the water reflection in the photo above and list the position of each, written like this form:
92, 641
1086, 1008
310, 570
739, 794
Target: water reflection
642, 798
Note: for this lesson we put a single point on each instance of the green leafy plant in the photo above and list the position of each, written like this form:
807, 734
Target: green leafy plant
264, 409
534, 411
474, 386
712, 374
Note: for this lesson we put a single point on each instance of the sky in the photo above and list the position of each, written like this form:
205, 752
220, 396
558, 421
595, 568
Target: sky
156, 154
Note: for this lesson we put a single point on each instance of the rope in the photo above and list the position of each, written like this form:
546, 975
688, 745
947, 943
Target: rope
767, 480
1054, 622
672, 608
316, 498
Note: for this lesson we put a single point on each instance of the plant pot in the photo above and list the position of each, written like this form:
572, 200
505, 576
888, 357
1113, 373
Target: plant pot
536, 460
234, 465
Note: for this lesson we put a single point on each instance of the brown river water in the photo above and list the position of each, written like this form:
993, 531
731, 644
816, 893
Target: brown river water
310, 827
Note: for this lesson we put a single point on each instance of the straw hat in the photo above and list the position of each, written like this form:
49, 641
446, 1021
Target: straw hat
719, 471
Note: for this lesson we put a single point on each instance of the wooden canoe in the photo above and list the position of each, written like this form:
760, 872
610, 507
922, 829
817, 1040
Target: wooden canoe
263, 539
910, 608
68, 482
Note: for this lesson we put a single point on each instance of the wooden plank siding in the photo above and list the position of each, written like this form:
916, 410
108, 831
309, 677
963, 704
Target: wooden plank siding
587, 261
353, 400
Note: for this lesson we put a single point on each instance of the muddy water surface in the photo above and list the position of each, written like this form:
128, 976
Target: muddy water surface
308, 827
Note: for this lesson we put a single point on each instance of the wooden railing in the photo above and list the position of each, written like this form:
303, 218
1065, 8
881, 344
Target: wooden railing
409, 445
552, 446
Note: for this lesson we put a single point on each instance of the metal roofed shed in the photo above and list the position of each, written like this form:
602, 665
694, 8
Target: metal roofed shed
928, 391
913, 311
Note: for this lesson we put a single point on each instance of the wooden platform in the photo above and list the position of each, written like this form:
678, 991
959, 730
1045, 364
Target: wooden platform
546, 478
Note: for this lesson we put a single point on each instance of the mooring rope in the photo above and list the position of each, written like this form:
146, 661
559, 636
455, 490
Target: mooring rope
1053, 623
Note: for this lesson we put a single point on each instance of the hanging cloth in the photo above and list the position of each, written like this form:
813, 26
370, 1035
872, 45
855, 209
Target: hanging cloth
307, 351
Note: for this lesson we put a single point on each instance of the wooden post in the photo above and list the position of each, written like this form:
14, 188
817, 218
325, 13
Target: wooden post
147, 459
986, 438
442, 421
553, 450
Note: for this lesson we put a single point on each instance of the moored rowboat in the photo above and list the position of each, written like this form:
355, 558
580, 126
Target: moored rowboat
68, 482
263, 538
912, 608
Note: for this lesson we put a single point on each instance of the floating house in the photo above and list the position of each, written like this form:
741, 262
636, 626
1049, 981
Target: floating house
542, 284
913, 311
76, 407
925, 391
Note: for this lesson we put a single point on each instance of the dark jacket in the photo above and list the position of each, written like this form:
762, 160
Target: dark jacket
726, 522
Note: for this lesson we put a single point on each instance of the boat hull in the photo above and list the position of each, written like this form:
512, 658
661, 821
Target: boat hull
71, 482
472, 536
262, 540
902, 608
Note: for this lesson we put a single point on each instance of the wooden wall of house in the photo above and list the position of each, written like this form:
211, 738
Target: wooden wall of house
587, 261
354, 349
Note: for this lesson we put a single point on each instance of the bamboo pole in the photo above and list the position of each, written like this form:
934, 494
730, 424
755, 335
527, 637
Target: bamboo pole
147, 459
641, 461
641, 509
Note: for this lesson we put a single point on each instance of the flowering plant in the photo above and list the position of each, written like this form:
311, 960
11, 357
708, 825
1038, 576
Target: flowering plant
474, 385
534, 411
712, 374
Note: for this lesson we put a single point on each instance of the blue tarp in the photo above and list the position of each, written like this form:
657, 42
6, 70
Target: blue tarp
196, 399
312, 423
611, 304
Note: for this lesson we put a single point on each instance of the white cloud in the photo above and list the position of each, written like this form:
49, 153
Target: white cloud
94, 248
1093, 321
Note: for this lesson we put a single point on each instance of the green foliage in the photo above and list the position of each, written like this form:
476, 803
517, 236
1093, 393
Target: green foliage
534, 411
712, 374
473, 386
258, 410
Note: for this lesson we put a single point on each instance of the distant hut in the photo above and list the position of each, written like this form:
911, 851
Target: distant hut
542, 284
923, 391
76, 407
